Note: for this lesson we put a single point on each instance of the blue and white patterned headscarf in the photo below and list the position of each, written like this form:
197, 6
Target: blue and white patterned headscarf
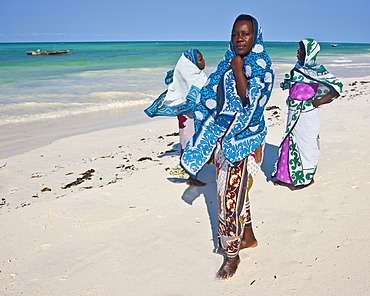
192, 55
184, 84
220, 115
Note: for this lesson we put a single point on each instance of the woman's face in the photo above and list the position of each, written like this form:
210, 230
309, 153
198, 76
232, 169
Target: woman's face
242, 37
299, 54
201, 61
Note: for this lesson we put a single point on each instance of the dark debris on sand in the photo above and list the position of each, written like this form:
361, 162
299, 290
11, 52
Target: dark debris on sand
268, 108
144, 158
85, 176
45, 189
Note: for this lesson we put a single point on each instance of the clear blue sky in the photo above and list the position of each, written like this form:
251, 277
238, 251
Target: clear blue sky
192, 20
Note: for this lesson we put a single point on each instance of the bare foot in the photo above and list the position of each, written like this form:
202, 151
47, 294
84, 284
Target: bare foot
228, 268
305, 186
191, 181
248, 239
283, 184
280, 183
291, 186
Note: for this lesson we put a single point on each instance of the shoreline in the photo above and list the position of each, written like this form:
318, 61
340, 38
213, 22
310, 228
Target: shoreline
22, 137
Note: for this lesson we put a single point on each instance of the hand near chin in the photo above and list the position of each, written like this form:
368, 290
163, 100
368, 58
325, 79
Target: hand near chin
237, 63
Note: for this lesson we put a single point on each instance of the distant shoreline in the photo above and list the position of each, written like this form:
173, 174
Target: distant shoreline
153, 41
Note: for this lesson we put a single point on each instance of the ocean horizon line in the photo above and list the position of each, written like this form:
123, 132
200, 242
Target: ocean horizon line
163, 41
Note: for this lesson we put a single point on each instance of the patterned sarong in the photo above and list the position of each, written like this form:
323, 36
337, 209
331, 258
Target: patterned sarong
233, 184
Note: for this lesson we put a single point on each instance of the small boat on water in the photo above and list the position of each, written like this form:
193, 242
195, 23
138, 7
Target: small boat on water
334, 45
48, 52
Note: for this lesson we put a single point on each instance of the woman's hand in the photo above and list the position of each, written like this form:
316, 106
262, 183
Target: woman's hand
237, 63
317, 102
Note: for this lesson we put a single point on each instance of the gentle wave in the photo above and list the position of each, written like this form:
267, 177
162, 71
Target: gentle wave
119, 72
70, 109
109, 95
342, 61
62, 100
109, 75
349, 65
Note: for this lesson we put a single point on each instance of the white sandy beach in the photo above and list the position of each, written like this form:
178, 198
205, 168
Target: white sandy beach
129, 227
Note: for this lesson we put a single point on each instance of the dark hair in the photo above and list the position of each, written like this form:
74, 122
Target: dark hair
247, 17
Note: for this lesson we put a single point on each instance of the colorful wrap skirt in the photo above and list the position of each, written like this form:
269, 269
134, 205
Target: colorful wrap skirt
299, 151
234, 180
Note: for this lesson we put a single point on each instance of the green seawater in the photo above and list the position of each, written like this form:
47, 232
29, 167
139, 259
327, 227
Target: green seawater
106, 75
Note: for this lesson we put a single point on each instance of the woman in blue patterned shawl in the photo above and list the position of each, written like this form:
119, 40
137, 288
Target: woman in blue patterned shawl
230, 131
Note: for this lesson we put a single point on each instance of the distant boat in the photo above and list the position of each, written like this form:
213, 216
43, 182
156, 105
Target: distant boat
334, 45
48, 52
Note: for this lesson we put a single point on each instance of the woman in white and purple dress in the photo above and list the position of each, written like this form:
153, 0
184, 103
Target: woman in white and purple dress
310, 85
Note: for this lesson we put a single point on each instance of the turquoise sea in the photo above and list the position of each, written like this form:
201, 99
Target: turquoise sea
97, 76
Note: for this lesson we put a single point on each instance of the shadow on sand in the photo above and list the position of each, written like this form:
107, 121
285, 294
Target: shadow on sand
270, 156
208, 175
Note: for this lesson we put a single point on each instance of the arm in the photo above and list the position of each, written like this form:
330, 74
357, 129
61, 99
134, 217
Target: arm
316, 103
237, 64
